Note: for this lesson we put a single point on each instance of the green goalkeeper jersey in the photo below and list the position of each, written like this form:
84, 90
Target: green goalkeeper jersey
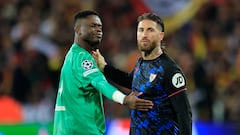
79, 105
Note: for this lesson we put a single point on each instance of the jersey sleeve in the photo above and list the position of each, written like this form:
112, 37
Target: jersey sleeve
175, 85
108, 90
175, 82
119, 77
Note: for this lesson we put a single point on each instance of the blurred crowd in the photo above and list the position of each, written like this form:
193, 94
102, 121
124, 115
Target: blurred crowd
35, 35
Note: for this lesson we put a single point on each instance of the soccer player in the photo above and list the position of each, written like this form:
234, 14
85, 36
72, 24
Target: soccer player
79, 105
159, 78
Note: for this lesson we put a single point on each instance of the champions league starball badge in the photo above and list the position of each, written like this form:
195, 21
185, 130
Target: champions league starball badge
87, 64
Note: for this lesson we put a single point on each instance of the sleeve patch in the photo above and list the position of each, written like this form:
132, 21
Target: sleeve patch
178, 80
87, 64
86, 73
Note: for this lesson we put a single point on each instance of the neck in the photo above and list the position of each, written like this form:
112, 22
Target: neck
153, 54
84, 45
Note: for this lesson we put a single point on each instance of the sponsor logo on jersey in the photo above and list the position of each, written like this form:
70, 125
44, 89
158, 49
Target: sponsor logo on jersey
87, 64
178, 80
152, 77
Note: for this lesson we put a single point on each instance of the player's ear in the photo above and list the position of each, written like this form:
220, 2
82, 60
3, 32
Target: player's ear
77, 29
161, 35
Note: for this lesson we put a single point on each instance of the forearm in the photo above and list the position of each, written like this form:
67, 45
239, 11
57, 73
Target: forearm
117, 76
108, 90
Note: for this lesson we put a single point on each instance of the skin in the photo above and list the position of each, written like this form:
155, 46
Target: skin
88, 34
149, 38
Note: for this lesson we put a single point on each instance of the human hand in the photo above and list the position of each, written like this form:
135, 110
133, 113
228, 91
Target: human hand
133, 102
99, 59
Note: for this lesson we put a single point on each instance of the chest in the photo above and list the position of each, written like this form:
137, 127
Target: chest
148, 78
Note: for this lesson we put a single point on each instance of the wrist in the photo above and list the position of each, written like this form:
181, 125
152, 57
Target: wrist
103, 66
125, 100
118, 97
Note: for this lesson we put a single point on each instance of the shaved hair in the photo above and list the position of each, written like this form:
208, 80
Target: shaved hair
152, 17
84, 14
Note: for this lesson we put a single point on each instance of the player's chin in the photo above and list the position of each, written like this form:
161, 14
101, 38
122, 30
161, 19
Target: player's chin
144, 49
97, 40
94, 43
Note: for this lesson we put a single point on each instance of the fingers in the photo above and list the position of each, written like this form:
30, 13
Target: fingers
94, 54
137, 103
143, 105
97, 55
98, 52
136, 93
132, 93
142, 109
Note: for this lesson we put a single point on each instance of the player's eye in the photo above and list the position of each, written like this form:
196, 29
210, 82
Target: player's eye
140, 30
151, 30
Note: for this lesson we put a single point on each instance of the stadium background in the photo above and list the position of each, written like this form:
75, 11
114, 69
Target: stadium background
203, 36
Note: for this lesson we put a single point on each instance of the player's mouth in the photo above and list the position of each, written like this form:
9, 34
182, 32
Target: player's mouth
98, 35
144, 41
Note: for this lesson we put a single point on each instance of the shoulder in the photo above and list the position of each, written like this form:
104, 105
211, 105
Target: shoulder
79, 58
167, 59
171, 68
168, 63
79, 54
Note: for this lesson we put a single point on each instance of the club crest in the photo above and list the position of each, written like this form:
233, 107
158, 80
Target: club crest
152, 77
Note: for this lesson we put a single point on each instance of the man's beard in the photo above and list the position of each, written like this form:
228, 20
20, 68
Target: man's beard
148, 49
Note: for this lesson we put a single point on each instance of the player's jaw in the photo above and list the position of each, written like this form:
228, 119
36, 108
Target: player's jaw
94, 39
146, 46
97, 38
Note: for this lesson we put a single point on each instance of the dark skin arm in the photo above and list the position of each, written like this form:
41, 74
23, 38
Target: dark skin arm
133, 102
117, 76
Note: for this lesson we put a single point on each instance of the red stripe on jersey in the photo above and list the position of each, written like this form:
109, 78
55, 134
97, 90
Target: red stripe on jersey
175, 93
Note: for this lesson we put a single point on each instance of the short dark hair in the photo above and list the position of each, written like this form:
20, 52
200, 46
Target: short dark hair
153, 17
84, 14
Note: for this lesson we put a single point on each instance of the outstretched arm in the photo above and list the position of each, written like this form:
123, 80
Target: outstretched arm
117, 76
131, 100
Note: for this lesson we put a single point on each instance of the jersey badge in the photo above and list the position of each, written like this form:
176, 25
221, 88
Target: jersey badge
87, 64
152, 77
178, 80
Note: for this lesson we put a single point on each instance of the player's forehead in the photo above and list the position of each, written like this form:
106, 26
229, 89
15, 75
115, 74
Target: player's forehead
93, 19
89, 20
146, 23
